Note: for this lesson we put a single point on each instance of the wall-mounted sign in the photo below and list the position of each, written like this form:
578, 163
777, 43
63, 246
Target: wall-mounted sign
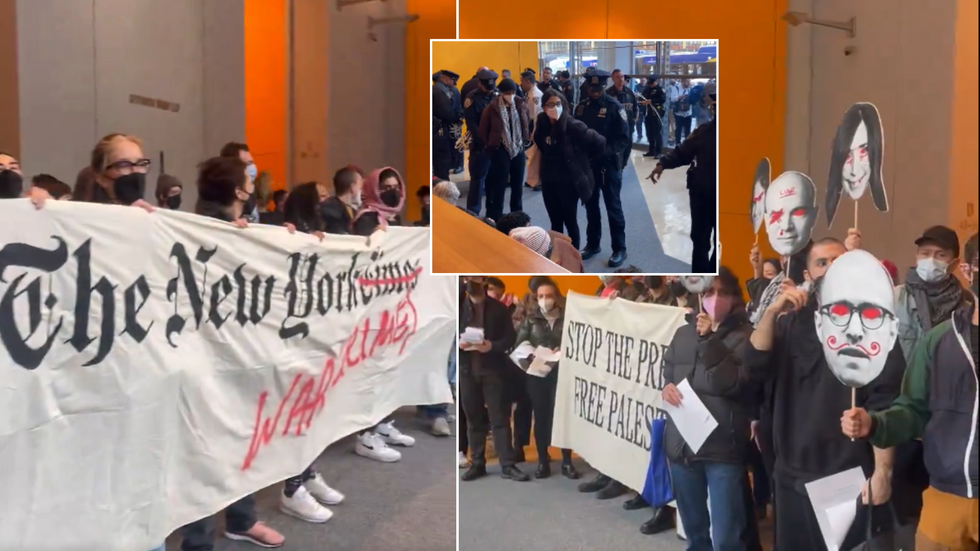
154, 103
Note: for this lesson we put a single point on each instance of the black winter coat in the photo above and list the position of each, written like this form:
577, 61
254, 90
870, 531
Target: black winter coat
713, 366
576, 144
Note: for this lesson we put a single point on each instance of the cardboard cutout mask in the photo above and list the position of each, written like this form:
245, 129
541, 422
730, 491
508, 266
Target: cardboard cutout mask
697, 284
856, 319
856, 159
757, 208
791, 212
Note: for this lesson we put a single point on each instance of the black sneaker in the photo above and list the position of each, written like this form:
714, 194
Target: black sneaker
662, 521
636, 503
594, 485
474, 472
612, 490
515, 474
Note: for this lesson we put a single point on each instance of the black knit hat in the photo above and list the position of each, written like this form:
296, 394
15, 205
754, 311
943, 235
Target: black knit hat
507, 85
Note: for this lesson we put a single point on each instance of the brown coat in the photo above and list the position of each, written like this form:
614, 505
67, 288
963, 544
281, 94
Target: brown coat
492, 123
564, 254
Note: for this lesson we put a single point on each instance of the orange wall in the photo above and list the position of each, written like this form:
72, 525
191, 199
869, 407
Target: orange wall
584, 284
464, 57
437, 19
752, 78
963, 155
265, 86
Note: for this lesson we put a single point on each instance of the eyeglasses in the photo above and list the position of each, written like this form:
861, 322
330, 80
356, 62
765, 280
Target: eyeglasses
130, 165
840, 314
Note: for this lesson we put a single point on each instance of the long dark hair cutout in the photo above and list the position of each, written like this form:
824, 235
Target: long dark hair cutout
841, 147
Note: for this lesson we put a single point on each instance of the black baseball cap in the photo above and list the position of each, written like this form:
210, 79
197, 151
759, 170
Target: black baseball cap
940, 236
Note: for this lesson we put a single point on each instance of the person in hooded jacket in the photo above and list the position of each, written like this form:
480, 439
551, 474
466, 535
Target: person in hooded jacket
382, 201
543, 327
708, 354
566, 145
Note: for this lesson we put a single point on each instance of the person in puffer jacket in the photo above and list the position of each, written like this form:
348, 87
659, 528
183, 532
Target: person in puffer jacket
938, 404
707, 353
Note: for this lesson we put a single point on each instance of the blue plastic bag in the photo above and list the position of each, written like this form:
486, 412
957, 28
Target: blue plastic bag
657, 490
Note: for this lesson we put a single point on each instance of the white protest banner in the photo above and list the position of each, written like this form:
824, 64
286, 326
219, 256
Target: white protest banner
156, 367
610, 381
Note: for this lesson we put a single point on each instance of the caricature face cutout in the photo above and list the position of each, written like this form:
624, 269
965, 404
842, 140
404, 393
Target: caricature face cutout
857, 167
757, 208
856, 320
697, 284
856, 159
790, 212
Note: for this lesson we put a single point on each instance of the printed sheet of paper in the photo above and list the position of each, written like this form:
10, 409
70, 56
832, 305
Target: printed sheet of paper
692, 418
540, 366
835, 502
522, 351
472, 335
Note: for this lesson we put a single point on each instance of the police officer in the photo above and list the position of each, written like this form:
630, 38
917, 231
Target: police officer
470, 84
653, 100
584, 88
565, 79
547, 83
625, 96
445, 120
608, 117
473, 106
458, 127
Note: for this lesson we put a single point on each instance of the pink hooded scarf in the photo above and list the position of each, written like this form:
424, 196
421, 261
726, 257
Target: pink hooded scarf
371, 196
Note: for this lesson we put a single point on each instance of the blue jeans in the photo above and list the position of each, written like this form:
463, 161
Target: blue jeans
724, 525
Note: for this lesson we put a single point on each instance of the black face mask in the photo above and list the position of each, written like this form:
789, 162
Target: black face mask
677, 288
173, 202
391, 197
129, 188
249, 206
11, 184
425, 215
655, 282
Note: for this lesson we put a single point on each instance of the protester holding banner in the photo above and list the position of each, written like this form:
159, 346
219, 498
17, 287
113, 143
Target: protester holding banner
542, 328
382, 201
806, 394
708, 354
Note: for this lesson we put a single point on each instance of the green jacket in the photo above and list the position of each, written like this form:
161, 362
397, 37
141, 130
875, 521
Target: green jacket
939, 403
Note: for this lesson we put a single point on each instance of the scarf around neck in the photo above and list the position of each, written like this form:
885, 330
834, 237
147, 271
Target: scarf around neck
935, 301
513, 140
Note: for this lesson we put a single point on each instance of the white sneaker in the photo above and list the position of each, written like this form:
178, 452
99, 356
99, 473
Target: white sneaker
392, 436
373, 446
440, 427
323, 493
304, 507
464, 462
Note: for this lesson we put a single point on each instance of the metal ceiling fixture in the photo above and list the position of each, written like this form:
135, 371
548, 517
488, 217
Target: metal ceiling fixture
375, 21
797, 18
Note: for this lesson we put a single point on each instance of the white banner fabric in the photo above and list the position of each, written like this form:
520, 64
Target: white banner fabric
156, 367
610, 382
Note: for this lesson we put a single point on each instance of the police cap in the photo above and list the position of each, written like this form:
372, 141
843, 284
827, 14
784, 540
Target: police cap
597, 78
449, 74
435, 77
486, 74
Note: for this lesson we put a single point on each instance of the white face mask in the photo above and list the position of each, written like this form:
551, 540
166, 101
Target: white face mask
252, 171
546, 304
508, 98
554, 113
931, 269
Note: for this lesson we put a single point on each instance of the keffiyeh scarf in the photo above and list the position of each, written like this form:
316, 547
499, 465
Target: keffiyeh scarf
513, 140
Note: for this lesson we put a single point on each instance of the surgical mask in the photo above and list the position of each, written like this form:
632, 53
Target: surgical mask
717, 307
554, 113
391, 197
546, 304
508, 98
129, 188
252, 171
11, 184
931, 269
173, 202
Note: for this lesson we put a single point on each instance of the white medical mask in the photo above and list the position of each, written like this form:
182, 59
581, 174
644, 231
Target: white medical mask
931, 269
546, 304
252, 171
554, 113
508, 98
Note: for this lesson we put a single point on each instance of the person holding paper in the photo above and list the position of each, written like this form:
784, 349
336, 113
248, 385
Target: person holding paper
939, 405
482, 377
706, 357
542, 329
806, 398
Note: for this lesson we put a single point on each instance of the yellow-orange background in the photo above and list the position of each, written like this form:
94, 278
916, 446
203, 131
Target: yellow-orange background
585, 284
752, 81
464, 57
